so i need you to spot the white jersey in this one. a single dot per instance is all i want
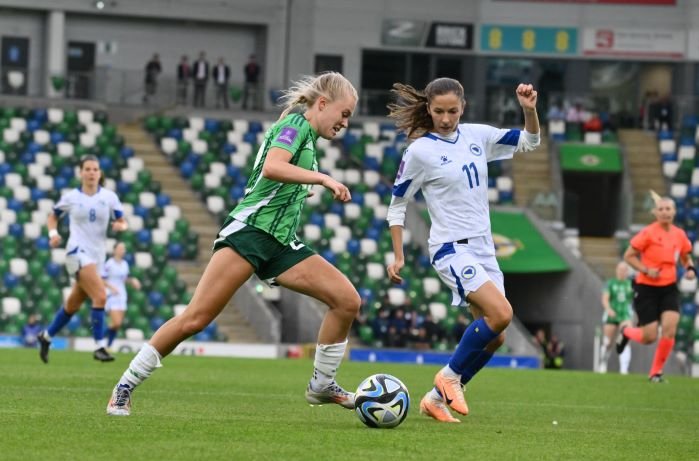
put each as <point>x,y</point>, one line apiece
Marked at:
<point>89,217</point>
<point>115,273</point>
<point>453,176</point>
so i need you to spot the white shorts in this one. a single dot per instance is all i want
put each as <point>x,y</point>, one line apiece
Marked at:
<point>115,303</point>
<point>465,267</point>
<point>77,258</point>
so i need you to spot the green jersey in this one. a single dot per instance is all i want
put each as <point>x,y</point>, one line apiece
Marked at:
<point>272,206</point>
<point>620,296</point>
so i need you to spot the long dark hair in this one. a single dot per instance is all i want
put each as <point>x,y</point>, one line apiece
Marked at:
<point>92,158</point>
<point>410,109</point>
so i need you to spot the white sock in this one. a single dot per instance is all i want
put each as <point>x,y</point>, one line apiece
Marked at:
<point>434,395</point>
<point>101,343</point>
<point>326,363</point>
<point>447,371</point>
<point>47,336</point>
<point>141,367</point>
<point>625,361</point>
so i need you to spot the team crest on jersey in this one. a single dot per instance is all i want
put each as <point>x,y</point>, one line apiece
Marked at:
<point>468,272</point>
<point>445,160</point>
<point>287,135</point>
<point>475,149</point>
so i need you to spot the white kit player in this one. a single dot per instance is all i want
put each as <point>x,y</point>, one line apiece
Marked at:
<point>448,162</point>
<point>116,276</point>
<point>89,208</point>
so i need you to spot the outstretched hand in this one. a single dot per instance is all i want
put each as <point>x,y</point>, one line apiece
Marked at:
<point>526,95</point>
<point>339,191</point>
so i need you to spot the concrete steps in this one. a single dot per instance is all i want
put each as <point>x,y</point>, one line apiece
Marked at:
<point>531,173</point>
<point>230,321</point>
<point>601,254</point>
<point>645,170</point>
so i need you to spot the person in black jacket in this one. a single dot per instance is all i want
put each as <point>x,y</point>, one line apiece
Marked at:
<point>151,78</point>
<point>184,73</point>
<point>221,74</point>
<point>200,74</point>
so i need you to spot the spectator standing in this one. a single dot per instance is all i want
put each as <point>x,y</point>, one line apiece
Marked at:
<point>221,74</point>
<point>153,69</point>
<point>252,75</point>
<point>184,73</point>
<point>200,74</point>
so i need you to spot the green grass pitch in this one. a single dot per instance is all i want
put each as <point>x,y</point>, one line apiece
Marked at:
<point>198,408</point>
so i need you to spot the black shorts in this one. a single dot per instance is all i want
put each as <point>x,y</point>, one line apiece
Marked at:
<point>267,255</point>
<point>650,302</point>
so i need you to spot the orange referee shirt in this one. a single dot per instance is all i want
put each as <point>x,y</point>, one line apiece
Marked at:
<point>660,249</point>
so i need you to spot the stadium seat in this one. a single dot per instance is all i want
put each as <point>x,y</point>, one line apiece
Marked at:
<point>431,286</point>
<point>396,296</point>
<point>438,311</point>
<point>11,306</point>
<point>134,334</point>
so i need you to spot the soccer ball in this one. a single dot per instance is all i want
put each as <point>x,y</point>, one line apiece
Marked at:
<point>382,401</point>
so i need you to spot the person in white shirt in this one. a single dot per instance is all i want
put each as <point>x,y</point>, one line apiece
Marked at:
<point>116,276</point>
<point>90,208</point>
<point>448,161</point>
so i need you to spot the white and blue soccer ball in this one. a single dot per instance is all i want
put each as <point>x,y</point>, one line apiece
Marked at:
<point>382,401</point>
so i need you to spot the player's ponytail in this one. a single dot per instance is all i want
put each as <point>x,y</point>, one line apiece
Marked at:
<point>410,109</point>
<point>305,91</point>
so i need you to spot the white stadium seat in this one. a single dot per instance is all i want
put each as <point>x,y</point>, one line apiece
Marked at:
<point>65,149</point>
<point>431,286</point>
<point>311,232</point>
<point>503,183</point>
<point>87,139</point>
<point>375,271</point>
<point>10,136</point>
<point>39,217</point>
<point>143,259</point>
<point>134,334</point>
<point>695,177</point>
<point>327,164</point>
<point>352,177</point>
<point>438,311</point>
<point>557,127</point>
<point>85,116</point>
<point>381,211</point>
<point>371,129</point>
<point>396,296</point>
<point>93,128</point>
<point>8,217</point>
<point>667,146</point>
<point>238,160</point>
<point>4,229</point>
<point>218,168</point>
<point>11,306</point>
<point>407,236</point>
<point>686,153</point>
<point>670,169</point>
<point>35,170</point>
<point>374,150</point>
<point>372,199</point>
<point>244,149</point>
<point>371,178</point>
<point>135,222</point>
<point>43,159</point>
<point>389,258</point>
<point>215,204</point>
<point>241,126</point>
<point>368,247</point>
<point>493,195</point>
<point>179,308</point>
<point>316,198</point>
<point>234,137</point>
<point>32,230</point>
<point>211,180</point>
<point>688,286</point>
<point>18,124</point>
<point>332,220</point>
<point>352,211</point>
<point>343,232</point>
<point>55,115</point>
<point>190,135</point>
<point>135,163</point>
<point>147,199</point>
<point>168,145</point>
<point>129,176</point>
<point>110,184</point>
<point>45,205</point>
<point>42,137</point>
<point>333,153</point>
<point>110,244</point>
<point>199,146</point>
<point>678,190</point>
<point>19,267</point>
<point>172,211</point>
<point>166,223</point>
<point>45,183</point>
<point>160,236</point>
<point>66,292</point>
<point>58,256</point>
<point>22,193</point>
<point>338,245</point>
<point>3,203</point>
<point>196,123</point>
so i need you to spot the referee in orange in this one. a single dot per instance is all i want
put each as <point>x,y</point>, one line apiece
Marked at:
<point>654,253</point>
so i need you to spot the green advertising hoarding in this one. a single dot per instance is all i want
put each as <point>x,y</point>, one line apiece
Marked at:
<point>519,246</point>
<point>590,158</point>
<point>529,39</point>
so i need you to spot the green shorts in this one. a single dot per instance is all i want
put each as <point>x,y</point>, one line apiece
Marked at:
<point>267,255</point>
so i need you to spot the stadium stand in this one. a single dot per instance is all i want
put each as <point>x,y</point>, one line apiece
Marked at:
<point>38,154</point>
